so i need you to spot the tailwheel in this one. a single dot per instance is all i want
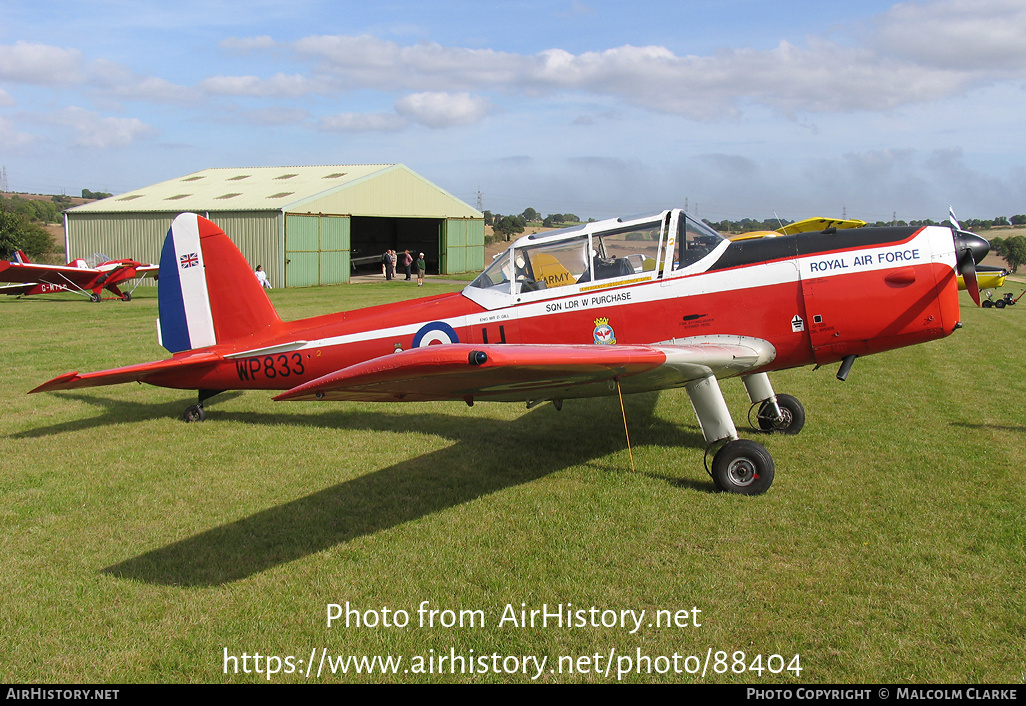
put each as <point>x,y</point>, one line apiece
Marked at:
<point>194,413</point>
<point>743,467</point>
<point>791,420</point>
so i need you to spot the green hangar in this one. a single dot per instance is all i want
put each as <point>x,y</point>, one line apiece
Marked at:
<point>306,225</point>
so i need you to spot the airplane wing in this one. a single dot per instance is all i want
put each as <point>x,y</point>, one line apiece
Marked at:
<point>147,270</point>
<point>17,289</point>
<point>131,373</point>
<point>815,225</point>
<point>34,272</point>
<point>509,373</point>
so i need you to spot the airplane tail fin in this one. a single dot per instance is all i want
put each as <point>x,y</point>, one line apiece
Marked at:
<point>206,292</point>
<point>20,257</point>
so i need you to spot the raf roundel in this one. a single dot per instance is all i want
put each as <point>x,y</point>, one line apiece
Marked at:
<point>435,333</point>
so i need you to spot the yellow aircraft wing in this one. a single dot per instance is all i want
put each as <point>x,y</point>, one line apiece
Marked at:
<point>817,225</point>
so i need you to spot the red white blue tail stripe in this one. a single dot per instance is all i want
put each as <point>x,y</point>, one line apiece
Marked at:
<point>185,319</point>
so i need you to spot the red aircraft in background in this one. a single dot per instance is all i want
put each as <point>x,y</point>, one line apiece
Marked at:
<point>78,276</point>
<point>617,306</point>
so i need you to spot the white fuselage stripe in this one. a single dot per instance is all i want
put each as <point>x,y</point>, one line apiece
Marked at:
<point>929,246</point>
<point>194,283</point>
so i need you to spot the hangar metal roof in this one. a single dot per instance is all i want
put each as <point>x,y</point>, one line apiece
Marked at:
<point>278,189</point>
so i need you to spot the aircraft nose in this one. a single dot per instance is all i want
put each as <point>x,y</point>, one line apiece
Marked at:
<point>970,249</point>
<point>972,243</point>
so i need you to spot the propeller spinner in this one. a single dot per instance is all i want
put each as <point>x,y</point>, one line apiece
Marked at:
<point>970,249</point>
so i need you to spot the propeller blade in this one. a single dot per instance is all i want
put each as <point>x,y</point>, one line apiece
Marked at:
<point>971,284</point>
<point>970,249</point>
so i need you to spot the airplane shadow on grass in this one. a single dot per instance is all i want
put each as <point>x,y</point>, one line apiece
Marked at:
<point>489,455</point>
<point>115,412</point>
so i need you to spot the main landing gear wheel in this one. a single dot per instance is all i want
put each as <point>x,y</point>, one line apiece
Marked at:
<point>126,297</point>
<point>194,413</point>
<point>792,416</point>
<point>1000,303</point>
<point>743,467</point>
<point>94,297</point>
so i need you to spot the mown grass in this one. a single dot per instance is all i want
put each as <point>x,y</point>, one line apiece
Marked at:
<point>137,548</point>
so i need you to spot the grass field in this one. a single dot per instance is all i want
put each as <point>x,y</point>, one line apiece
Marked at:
<point>137,548</point>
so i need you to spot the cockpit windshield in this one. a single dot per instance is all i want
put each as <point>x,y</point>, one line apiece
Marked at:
<point>695,240</point>
<point>496,275</point>
<point>96,259</point>
<point>620,251</point>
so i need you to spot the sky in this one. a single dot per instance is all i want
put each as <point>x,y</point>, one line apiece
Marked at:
<point>734,109</point>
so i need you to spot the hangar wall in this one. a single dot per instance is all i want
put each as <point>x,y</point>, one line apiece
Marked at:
<point>141,236</point>
<point>317,250</point>
<point>462,246</point>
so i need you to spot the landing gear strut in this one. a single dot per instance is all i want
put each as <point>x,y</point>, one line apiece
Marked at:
<point>790,420</point>
<point>781,414</point>
<point>739,466</point>
<point>195,413</point>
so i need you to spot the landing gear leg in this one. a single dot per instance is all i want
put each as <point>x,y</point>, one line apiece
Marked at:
<point>782,414</point>
<point>740,466</point>
<point>195,413</point>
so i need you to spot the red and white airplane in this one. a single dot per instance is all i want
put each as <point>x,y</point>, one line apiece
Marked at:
<point>78,276</point>
<point>617,306</point>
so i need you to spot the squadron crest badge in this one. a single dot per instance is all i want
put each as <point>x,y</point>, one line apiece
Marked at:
<point>604,334</point>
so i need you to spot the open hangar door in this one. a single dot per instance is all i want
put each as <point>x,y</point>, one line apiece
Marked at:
<point>372,236</point>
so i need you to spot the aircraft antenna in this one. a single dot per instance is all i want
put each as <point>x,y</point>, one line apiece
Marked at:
<point>624,413</point>
<point>779,222</point>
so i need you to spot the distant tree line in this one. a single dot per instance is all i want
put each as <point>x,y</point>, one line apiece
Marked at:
<point>746,225</point>
<point>22,221</point>
<point>19,232</point>
<point>505,227</point>
<point>34,210</point>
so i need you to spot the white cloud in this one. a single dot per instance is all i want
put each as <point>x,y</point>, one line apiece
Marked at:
<point>24,62</point>
<point>441,110</point>
<point>118,81</point>
<point>92,130</point>
<point>363,122</point>
<point>913,53</point>
<point>279,85</point>
<point>367,61</point>
<point>273,115</point>
<point>956,34</point>
<point>5,99</point>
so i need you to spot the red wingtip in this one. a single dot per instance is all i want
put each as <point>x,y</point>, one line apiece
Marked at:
<point>56,383</point>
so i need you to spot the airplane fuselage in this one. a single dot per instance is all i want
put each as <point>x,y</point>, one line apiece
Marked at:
<point>816,298</point>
